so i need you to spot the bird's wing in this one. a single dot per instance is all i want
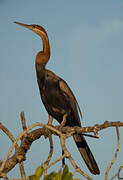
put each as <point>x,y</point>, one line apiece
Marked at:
<point>65,88</point>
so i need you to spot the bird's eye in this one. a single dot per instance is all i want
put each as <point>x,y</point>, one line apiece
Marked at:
<point>33,26</point>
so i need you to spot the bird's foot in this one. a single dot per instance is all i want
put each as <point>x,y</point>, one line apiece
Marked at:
<point>47,132</point>
<point>64,120</point>
<point>50,120</point>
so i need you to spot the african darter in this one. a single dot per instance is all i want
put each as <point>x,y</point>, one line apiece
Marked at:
<point>58,98</point>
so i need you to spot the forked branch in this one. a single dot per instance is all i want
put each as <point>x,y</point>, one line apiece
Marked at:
<point>28,136</point>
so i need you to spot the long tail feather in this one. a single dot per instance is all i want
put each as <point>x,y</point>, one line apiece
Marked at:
<point>86,154</point>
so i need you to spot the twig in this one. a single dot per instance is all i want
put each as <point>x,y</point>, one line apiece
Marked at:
<point>50,120</point>
<point>118,173</point>
<point>74,172</point>
<point>49,157</point>
<point>9,134</point>
<point>22,134</point>
<point>54,162</point>
<point>89,135</point>
<point>68,155</point>
<point>64,120</point>
<point>63,160</point>
<point>95,129</point>
<point>23,120</point>
<point>116,154</point>
<point>3,175</point>
<point>63,124</point>
<point>62,132</point>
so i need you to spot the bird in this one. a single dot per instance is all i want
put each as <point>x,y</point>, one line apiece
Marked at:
<point>58,98</point>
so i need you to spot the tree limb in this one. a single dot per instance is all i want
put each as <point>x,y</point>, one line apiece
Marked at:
<point>116,154</point>
<point>27,138</point>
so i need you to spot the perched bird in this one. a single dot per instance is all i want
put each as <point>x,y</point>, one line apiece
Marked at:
<point>58,98</point>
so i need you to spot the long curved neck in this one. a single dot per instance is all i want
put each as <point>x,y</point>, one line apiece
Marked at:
<point>43,56</point>
<point>46,45</point>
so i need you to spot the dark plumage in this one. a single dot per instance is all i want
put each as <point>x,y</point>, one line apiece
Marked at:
<point>58,98</point>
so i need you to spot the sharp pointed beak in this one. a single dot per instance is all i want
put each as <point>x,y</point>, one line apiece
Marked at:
<point>24,25</point>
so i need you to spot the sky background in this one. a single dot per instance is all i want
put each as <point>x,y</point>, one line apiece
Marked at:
<point>86,39</point>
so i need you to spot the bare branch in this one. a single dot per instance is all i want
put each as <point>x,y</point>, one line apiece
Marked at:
<point>9,134</point>
<point>49,157</point>
<point>27,138</point>
<point>116,154</point>
<point>57,160</point>
<point>68,155</point>
<point>19,156</point>
<point>118,173</point>
<point>64,120</point>
<point>23,120</point>
<point>90,129</point>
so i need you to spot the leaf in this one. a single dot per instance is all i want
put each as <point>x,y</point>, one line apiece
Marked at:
<point>50,176</point>
<point>68,176</point>
<point>39,171</point>
<point>65,172</point>
<point>33,177</point>
<point>58,176</point>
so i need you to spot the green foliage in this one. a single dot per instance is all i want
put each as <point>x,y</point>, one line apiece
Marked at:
<point>50,176</point>
<point>38,173</point>
<point>65,175</point>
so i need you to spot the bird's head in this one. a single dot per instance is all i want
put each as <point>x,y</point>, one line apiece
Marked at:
<point>43,56</point>
<point>34,27</point>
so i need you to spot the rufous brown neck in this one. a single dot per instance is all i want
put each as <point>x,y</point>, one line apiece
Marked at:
<point>43,56</point>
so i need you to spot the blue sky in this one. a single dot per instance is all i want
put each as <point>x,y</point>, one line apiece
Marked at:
<point>86,50</point>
